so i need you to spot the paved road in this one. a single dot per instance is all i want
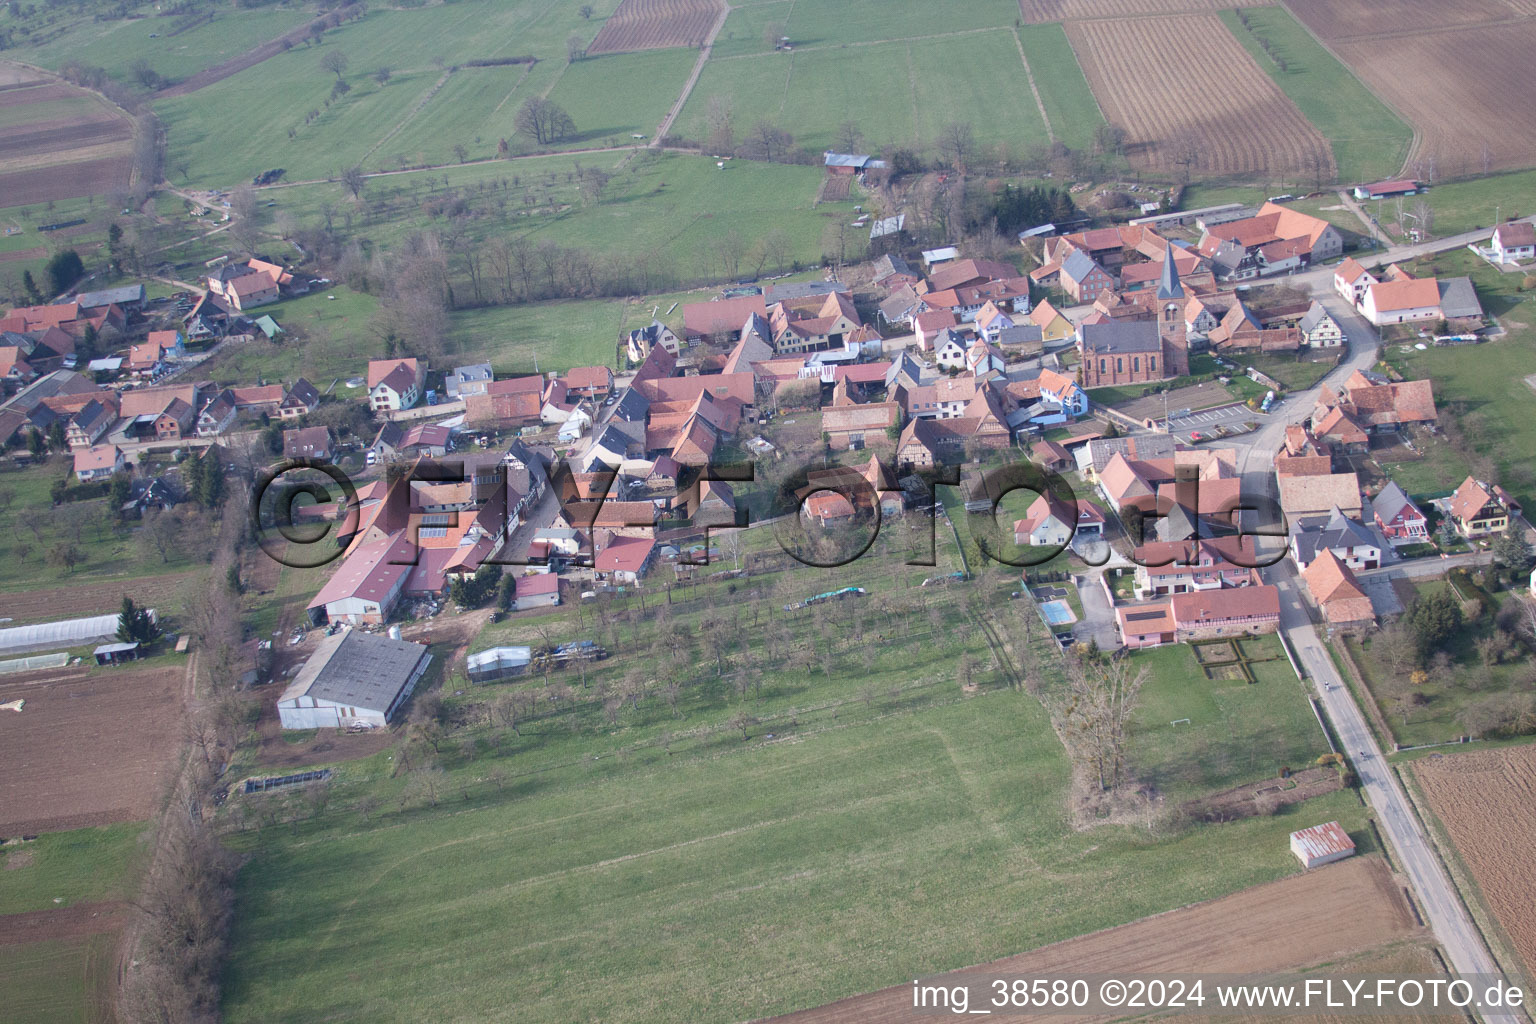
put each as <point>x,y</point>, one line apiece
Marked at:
<point>1415,855</point>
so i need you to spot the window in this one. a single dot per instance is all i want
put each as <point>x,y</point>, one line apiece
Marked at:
<point>1136,364</point>
<point>1101,366</point>
<point>1152,364</point>
<point>1119,364</point>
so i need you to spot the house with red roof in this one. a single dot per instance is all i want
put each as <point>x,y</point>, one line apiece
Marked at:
<point>508,404</point>
<point>537,590</point>
<point>395,384</point>
<point>98,462</point>
<point>624,560</point>
<point>720,318</point>
<point>1479,508</point>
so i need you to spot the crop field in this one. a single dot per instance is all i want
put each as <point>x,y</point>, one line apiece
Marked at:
<point>1424,75</point>
<point>1281,926</point>
<point>1369,141</point>
<point>897,92</point>
<point>69,978</point>
<point>59,142</point>
<point>655,24</point>
<point>613,97</point>
<point>1484,800</point>
<point>1248,125</point>
<point>1037,11</point>
<point>89,747</point>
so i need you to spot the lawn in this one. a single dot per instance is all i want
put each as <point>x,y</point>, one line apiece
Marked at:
<point>327,339</point>
<point>1069,103</point>
<point>1464,205</point>
<point>1237,731</point>
<point>1369,142</point>
<point>616,95</point>
<point>1432,712</point>
<point>553,335</point>
<point>82,866</point>
<point>1294,374</point>
<point>895,93</point>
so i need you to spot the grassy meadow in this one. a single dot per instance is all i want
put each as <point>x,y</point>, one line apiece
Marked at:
<point>1069,104</point>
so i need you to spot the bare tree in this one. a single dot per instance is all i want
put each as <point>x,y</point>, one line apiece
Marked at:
<point>382,75</point>
<point>767,141</point>
<point>773,34</point>
<point>957,142</point>
<point>575,48</point>
<point>719,124</point>
<point>1104,696</point>
<point>545,121</point>
<point>335,62</point>
<point>849,138</point>
<point>355,180</point>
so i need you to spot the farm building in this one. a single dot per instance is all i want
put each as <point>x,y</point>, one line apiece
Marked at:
<point>540,590</point>
<point>1321,844</point>
<point>353,678</point>
<point>1387,189</point>
<point>498,663</point>
<point>116,654</point>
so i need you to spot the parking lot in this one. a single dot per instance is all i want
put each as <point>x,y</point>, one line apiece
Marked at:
<point>1205,421</point>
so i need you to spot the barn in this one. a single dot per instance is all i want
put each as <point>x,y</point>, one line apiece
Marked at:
<point>353,678</point>
<point>1321,844</point>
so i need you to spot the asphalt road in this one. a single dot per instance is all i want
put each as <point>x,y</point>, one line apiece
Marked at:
<point>1415,855</point>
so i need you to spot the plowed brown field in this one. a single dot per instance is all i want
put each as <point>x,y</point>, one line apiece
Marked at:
<point>89,747</point>
<point>1437,64</point>
<point>1038,11</point>
<point>656,24</point>
<point>1287,924</point>
<point>86,152</point>
<point>1484,800</point>
<point>1154,78</point>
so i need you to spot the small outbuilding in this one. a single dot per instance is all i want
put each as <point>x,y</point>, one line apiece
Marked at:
<point>1322,844</point>
<point>498,663</point>
<point>539,590</point>
<point>353,679</point>
<point>116,654</point>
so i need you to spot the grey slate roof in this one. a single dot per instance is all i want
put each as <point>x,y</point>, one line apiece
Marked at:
<point>632,407</point>
<point>358,669</point>
<point>1337,533</point>
<point>1390,502</point>
<point>1315,314</point>
<point>1458,298</point>
<point>1168,286</point>
<point>1115,337</point>
<point>1021,334</point>
<point>1078,265</point>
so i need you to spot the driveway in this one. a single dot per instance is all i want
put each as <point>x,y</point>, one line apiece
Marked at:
<point>1098,619</point>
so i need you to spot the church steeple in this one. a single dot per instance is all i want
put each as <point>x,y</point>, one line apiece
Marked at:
<point>1169,287</point>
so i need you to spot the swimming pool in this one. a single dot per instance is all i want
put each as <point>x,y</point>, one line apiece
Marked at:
<point>1058,613</point>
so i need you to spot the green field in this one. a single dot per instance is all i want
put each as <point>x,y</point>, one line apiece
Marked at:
<point>673,889</point>
<point>1369,141</point>
<point>83,866</point>
<point>428,107</point>
<point>116,44</point>
<point>826,24</point>
<point>1237,732</point>
<point>1464,205</point>
<point>57,980</point>
<point>896,93</point>
<point>650,851</point>
<point>1069,103</point>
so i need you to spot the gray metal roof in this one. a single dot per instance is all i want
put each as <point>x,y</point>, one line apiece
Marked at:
<point>1337,533</point>
<point>1390,501</point>
<point>1458,298</point>
<point>123,295</point>
<point>1078,265</point>
<point>359,670</point>
<point>1113,337</point>
<point>887,226</point>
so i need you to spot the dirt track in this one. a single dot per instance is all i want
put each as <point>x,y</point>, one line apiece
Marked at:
<point>1292,923</point>
<point>88,748</point>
